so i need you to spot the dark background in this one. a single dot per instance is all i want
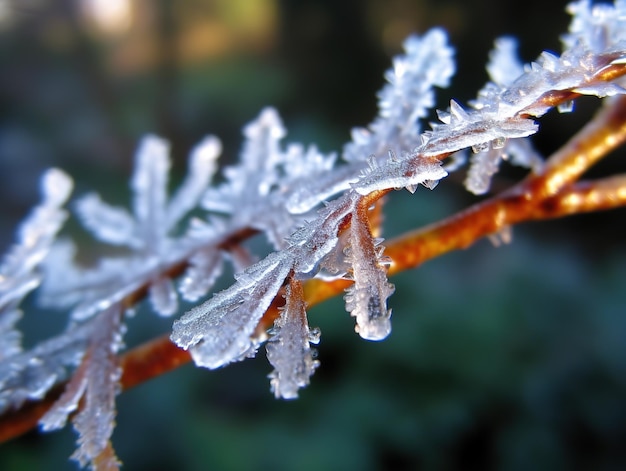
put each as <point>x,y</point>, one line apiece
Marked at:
<point>500,358</point>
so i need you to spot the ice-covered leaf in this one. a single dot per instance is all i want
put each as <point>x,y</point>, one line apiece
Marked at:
<point>289,347</point>
<point>366,300</point>
<point>29,375</point>
<point>407,97</point>
<point>504,66</point>
<point>149,186</point>
<point>406,172</point>
<point>109,224</point>
<point>19,268</point>
<point>151,233</point>
<point>96,383</point>
<point>483,166</point>
<point>204,268</point>
<point>220,330</point>
<point>163,296</point>
<point>202,167</point>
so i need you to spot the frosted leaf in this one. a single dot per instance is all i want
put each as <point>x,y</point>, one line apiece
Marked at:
<point>96,382</point>
<point>220,330</point>
<point>598,26</point>
<point>149,186</point>
<point>482,167</point>
<point>202,167</point>
<point>18,270</point>
<point>107,223</point>
<point>310,244</point>
<point>204,269</point>
<point>288,349</point>
<point>91,290</point>
<point>407,172</point>
<point>504,66</point>
<point>366,300</point>
<point>30,375</point>
<point>154,218</point>
<point>163,296</point>
<point>406,98</point>
<point>150,233</point>
<point>303,198</point>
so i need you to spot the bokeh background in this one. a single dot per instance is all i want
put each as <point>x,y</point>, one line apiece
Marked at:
<point>508,358</point>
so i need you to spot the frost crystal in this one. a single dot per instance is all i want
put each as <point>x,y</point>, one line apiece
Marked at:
<point>149,233</point>
<point>18,271</point>
<point>504,65</point>
<point>366,300</point>
<point>288,349</point>
<point>407,98</point>
<point>484,165</point>
<point>266,177</point>
<point>30,375</point>
<point>97,383</point>
<point>220,330</point>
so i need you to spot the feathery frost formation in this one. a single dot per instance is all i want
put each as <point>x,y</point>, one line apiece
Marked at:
<point>312,210</point>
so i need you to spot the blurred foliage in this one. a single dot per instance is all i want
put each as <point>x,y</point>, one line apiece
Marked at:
<point>511,358</point>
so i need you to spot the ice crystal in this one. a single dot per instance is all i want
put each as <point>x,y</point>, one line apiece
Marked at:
<point>288,349</point>
<point>406,172</point>
<point>504,66</point>
<point>29,375</point>
<point>407,98</point>
<point>150,234</point>
<point>19,269</point>
<point>220,330</point>
<point>366,300</point>
<point>265,177</point>
<point>96,382</point>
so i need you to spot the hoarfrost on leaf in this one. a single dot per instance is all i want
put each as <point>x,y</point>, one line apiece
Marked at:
<point>29,375</point>
<point>407,97</point>
<point>97,383</point>
<point>205,266</point>
<point>504,66</point>
<point>288,349</point>
<point>366,300</point>
<point>220,330</point>
<point>406,172</point>
<point>19,268</point>
<point>484,165</point>
<point>150,233</point>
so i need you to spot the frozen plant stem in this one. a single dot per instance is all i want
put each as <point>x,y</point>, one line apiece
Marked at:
<point>322,221</point>
<point>553,193</point>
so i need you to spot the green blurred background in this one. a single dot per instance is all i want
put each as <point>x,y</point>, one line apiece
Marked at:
<point>508,358</point>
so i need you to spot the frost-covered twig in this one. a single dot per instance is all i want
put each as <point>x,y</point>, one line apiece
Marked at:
<point>320,231</point>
